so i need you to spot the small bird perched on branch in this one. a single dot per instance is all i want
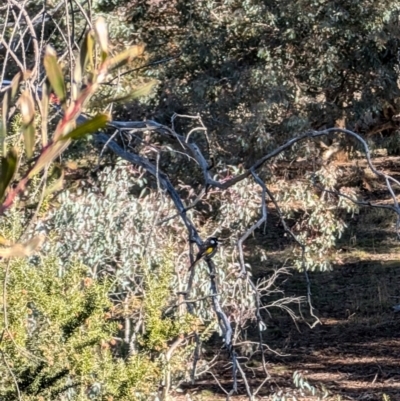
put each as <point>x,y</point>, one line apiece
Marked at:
<point>207,250</point>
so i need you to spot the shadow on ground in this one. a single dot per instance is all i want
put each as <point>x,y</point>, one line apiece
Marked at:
<point>354,353</point>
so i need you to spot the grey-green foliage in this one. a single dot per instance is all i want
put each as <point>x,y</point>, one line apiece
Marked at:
<point>112,227</point>
<point>303,389</point>
<point>105,225</point>
<point>261,71</point>
<point>318,215</point>
<point>57,331</point>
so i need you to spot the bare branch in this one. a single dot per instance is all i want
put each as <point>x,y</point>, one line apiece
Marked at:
<point>254,227</point>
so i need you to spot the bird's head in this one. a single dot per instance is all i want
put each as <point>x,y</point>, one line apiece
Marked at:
<point>213,241</point>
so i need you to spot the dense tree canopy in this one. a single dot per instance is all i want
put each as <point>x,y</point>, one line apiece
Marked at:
<point>254,121</point>
<point>260,71</point>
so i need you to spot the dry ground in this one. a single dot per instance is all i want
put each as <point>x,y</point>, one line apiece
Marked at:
<point>355,352</point>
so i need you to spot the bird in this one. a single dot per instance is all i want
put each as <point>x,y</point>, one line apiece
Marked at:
<point>207,250</point>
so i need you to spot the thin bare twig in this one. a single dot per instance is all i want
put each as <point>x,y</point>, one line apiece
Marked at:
<point>303,250</point>
<point>33,36</point>
<point>12,375</point>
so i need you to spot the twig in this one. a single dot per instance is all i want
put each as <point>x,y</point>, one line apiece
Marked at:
<point>246,383</point>
<point>218,382</point>
<point>8,48</point>
<point>12,375</point>
<point>165,60</point>
<point>5,318</point>
<point>263,220</point>
<point>303,250</point>
<point>187,208</point>
<point>168,356</point>
<point>164,180</point>
<point>254,227</point>
<point>33,34</point>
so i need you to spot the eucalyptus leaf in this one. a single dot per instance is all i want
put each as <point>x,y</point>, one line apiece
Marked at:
<point>54,74</point>
<point>89,126</point>
<point>86,53</point>
<point>125,57</point>
<point>8,169</point>
<point>101,30</point>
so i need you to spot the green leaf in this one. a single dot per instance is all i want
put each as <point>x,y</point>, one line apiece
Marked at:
<point>142,91</point>
<point>3,131</point>
<point>28,114</point>
<point>100,28</point>
<point>76,84</point>
<point>56,186</point>
<point>47,156</point>
<point>45,112</point>
<point>86,54</point>
<point>87,127</point>
<point>54,74</point>
<point>125,57</point>
<point>23,250</point>
<point>3,134</point>
<point>15,85</point>
<point>29,138</point>
<point>7,170</point>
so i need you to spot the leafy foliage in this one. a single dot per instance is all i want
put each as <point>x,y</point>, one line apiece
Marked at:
<point>58,337</point>
<point>103,312</point>
<point>60,327</point>
<point>260,71</point>
<point>57,326</point>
